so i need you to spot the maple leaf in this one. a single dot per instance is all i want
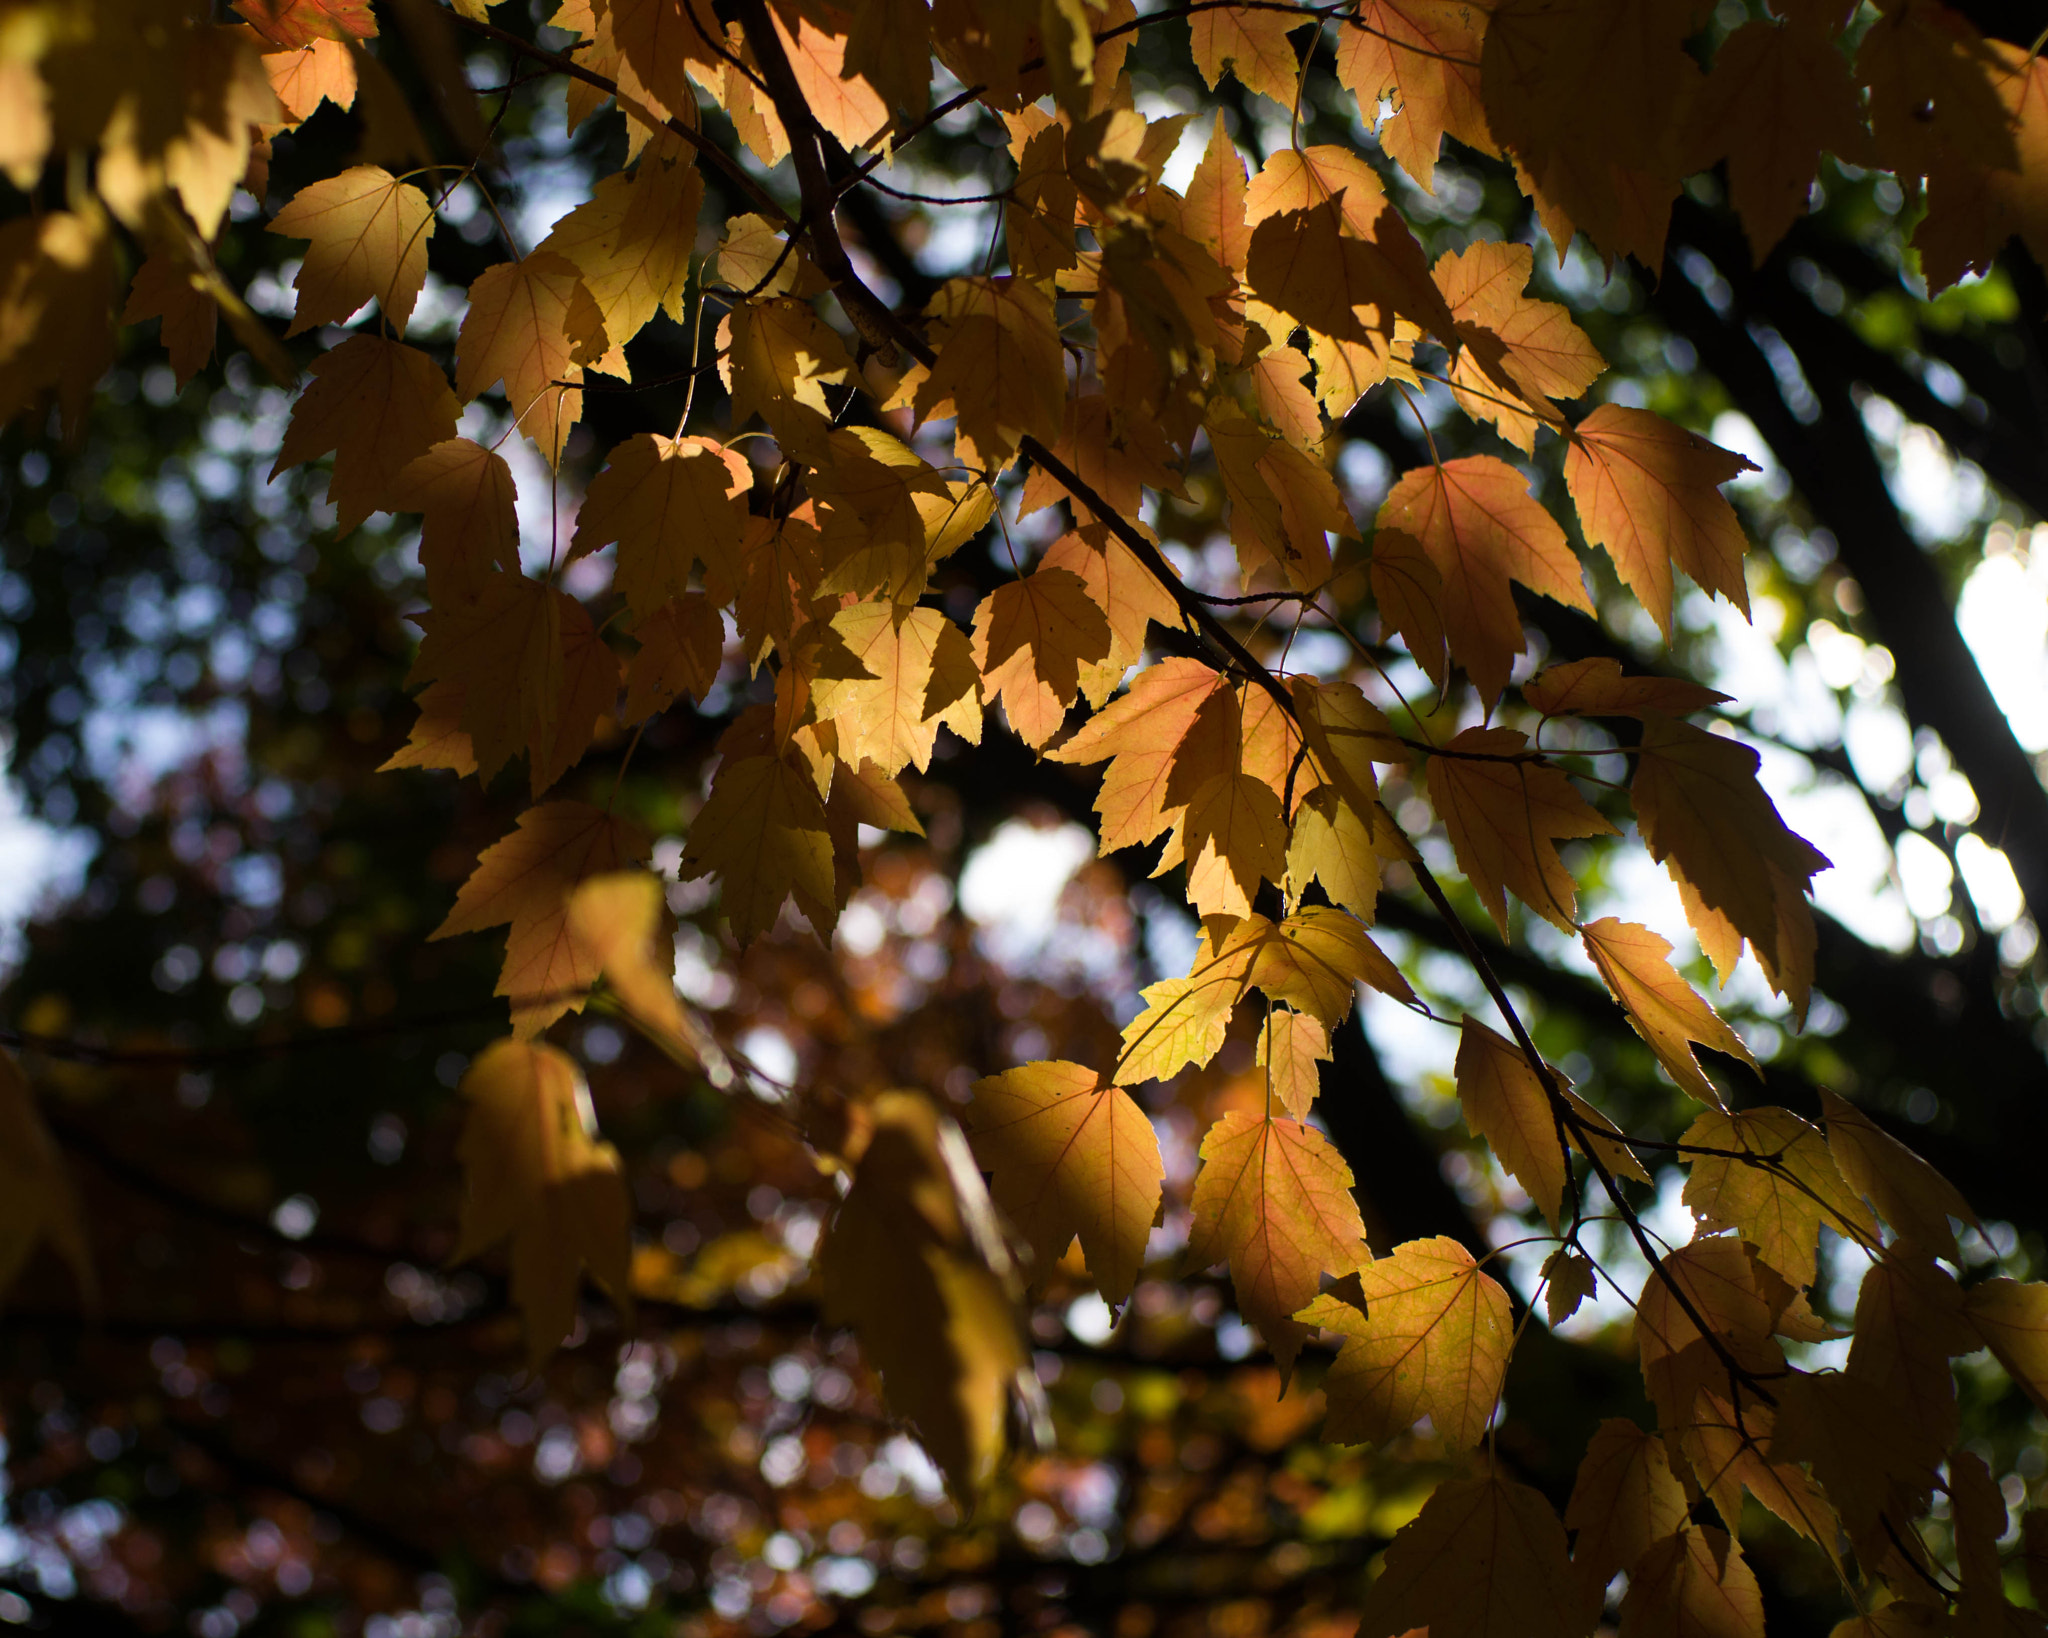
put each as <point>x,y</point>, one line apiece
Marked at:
<point>1833,1421</point>
<point>999,363</point>
<point>1253,45</point>
<point>1273,1199</point>
<point>1664,1010</point>
<point>622,922</point>
<point>1128,594</point>
<point>1485,1558</point>
<point>525,879</point>
<point>892,713</point>
<point>900,1264</point>
<point>669,503</point>
<point>1505,810</point>
<point>1910,1318</point>
<point>1291,1046</point>
<point>303,77</point>
<point>1305,264</point>
<point>293,23</point>
<point>1409,590</point>
<point>589,693</point>
<point>888,43</point>
<point>668,42</point>
<point>763,829</point>
<point>367,234</point>
<point>1213,213</point>
<point>1282,504</point>
<point>1066,1156</point>
<point>1779,1206</point>
<point>776,359</point>
<point>1423,57</point>
<point>470,529</point>
<point>377,405</point>
<point>1623,1501</point>
<point>842,103</point>
<point>1719,1281</point>
<point>1302,179</point>
<point>1727,1452</point>
<point>1032,635</point>
<point>1568,1280</point>
<point>37,1202</point>
<point>1694,1580</point>
<point>438,739</point>
<point>1648,493</point>
<point>631,242</point>
<point>1934,102</point>
<point>535,1171</point>
<point>1909,1194</point>
<point>1483,529</point>
<point>2013,1321</point>
<point>682,646</point>
<point>1507,1105</point>
<point>1038,215</point>
<point>1973,209</point>
<point>1511,342</point>
<point>533,325</point>
<point>1596,688</point>
<point>172,290</point>
<point>1236,837</point>
<point>1433,1341</point>
<point>1706,818</point>
<point>504,648</point>
<point>1779,96</point>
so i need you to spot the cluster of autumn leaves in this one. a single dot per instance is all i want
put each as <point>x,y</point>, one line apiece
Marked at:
<point>1218,329</point>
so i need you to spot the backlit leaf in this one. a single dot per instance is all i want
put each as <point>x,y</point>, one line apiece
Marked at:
<point>533,325</point>
<point>535,1170</point>
<point>1909,1194</point>
<point>377,405</point>
<point>763,830</point>
<point>1624,1500</point>
<point>1663,1008</point>
<point>368,236</point>
<point>1066,1156</point>
<point>1433,1341</point>
<point>1273,1199</point>
<point>1485,1558</point>
<point>1694,1581</point>
<point>1779,1206</point>
<point>1506,810</point>
<point>1506,1104</point>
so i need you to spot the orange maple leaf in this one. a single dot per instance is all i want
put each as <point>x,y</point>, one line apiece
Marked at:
<point>293,23</point>
<point>377,405</point>
<point>1273,1199</point>
<point>1664,1009</point>
<point>368,233</point>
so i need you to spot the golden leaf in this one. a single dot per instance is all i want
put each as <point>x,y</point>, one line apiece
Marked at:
<point>377,405</point>
<point>535,1171</point>
<point>1066,1156</point>
<point>669,503</point>
<point>1505,811</point>
<point>1485,1558</point>
<point>1506,1104</point>
<point>533,325</point>
<point>470,528</point>
<point>367,236</point>
<point>1781,1206</point>
<point>763,829</point>
<point>1273,1199</point>
<point>1665,1011</point>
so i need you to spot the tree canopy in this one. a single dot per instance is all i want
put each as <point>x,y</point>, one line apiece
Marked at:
<point>1025,817</point>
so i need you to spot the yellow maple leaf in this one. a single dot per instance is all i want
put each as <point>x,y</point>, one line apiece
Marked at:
<point>525,880</point>
<point>1433,1341</point>
<point>1409,590</point>
<point>535,1170</point>
<point>1331,844</point>
<point>1213,213</point>
<point>621,920</point>
<point>670,503</point>
<point>888,716</point>
<point>776,358</point>
<point>533,325</point>
<point>1779,1207</point>
<point>1130,596</point>
<point>903,1264</point>
<point>1066,1156</point>
<point>1663,1008</point>
<point>1483,529</point>
<point>1305,264</point>
<point>36,1202</point>
<point>469,529</point>
<point>763,829</point>
<point>378,405</point>
<point>367,235</point>
<point>1505,811</point>
<point>1648,493</point>
<point>1507,1105</point>
<point>1235,837</point>
<point>1291,1046</point>
<point>842,103</point>
<point>1253,45</point>
<point>1624,1499</point>
<point>668,43</point>
<point>1283,505</point>
<point>1273,1199</point>
<point>631,241</point>
<point>1719,1283</point>
<point>1485,1558</point>
<point>1032,636</point>
<point>999,362</point>
<point>1301,179</point>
